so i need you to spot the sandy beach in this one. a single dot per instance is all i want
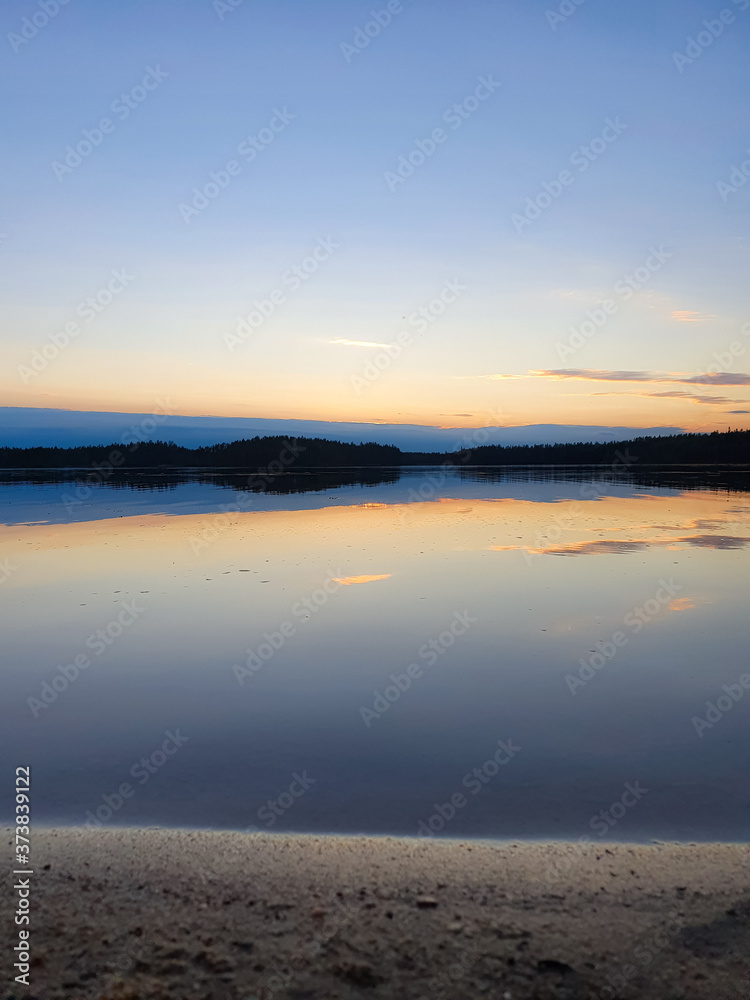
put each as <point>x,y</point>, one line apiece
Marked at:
<point>154,914</point>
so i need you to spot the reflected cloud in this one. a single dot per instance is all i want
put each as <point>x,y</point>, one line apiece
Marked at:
<point>693,524</point>
<point>604,546</point>
<point>681,604</point>
<point>348,581</point>
<point>717,541</point>
<point>617,547</point>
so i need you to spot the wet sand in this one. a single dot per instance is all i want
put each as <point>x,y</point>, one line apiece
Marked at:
<point>152,914</point>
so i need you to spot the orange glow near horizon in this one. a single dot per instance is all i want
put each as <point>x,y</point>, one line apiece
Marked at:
<point>464,403</point>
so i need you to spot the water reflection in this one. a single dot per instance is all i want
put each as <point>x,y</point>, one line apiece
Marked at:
<point>150,480</point>
<point>63,495</point>
<point>615,546</point>
<point>688,477</point>
<point>384,648</point>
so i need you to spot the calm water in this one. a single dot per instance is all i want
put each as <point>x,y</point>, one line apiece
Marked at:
<point>339,654</point>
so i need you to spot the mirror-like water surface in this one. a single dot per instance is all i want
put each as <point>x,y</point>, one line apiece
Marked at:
<point>473,653</point>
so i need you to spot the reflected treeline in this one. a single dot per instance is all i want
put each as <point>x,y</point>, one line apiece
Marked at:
<point>309,481</point>
<point>299,481</point>
<point>716,478</point>
<point>688,477</point>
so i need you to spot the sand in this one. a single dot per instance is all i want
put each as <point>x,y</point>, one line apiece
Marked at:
<point>136,914</point>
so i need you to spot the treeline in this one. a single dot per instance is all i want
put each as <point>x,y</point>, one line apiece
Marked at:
<point>676,449</point>
<point>262,454</point>
<point>277,454</point>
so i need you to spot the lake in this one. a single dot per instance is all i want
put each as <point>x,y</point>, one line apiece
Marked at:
<point>511,653</point>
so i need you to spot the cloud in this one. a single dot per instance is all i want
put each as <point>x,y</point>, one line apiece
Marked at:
<point>739,411</point>
<point>688,316</point>
<point>602,375</point>
<point>597,375</point>
<point>356,343</point>
<point>716,400</point>
<point>678,394</point>
<point>718,378</point>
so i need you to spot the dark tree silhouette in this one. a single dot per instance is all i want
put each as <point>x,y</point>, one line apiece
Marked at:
<point>274,456</point>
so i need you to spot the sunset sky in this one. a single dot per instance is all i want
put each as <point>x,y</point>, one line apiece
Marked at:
<point>614,300</point>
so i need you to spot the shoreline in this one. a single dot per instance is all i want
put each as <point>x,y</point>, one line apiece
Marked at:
<point>126,913</point>
<point>440,837</point>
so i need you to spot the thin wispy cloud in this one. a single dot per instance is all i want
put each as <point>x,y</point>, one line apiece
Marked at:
<point>688,316</point>
<point>356,343</point>
<point>606,375</point>
<point>603,375</point>
<point>678,394</point>
<point>703,400</point>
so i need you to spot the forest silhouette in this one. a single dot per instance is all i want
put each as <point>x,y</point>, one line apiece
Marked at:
<point>275,455</point>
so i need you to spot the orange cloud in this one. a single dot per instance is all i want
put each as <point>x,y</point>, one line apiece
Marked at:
<point>688,316</point>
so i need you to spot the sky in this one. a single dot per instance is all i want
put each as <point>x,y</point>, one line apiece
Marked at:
<point>424,213</point>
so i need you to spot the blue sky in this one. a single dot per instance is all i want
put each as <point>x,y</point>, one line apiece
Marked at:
<point>227,74</point>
